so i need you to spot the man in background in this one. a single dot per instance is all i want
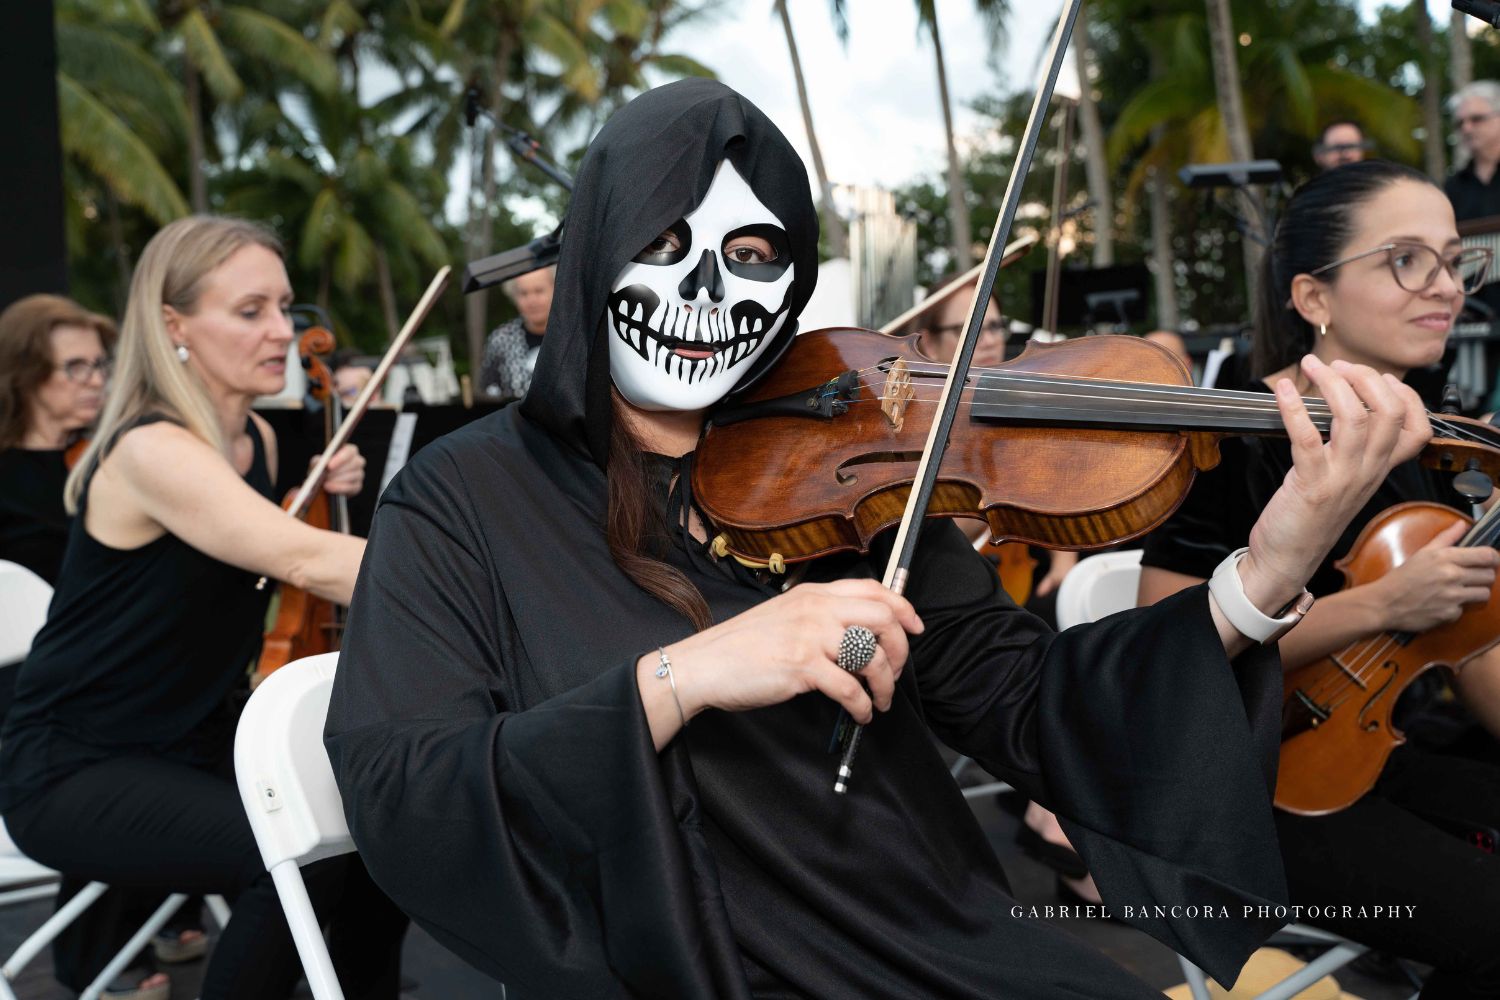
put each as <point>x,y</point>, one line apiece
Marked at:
<point>1472,188</point>
<point>511,349</point>
<point>1339,143</point>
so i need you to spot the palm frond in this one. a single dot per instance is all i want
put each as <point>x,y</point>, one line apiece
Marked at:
<point>263,37</point>
<point>94,135</point>
<point>112,65</point>
<point>207,56</point>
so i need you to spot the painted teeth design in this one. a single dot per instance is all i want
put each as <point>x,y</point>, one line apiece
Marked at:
<point>656,331</point>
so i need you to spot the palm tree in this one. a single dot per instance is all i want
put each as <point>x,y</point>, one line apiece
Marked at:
<point>994,12</point>
<point>211,37</point>
<point>1096,156</point>
<point>120,113</point>
<point>838,236</point>
<point>1226,69</point>
<point>1434,154</point>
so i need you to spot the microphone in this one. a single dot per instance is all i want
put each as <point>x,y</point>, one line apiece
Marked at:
<point>492,270</point>
<point>471,106</point>
<point>1486,10</point>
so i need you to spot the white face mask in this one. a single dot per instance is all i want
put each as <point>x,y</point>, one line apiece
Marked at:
<point>688,319</point>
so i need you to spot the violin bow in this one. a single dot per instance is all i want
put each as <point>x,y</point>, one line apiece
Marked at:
<point>1020,248</point>
<point>898,570</point>
<point>366,395</point>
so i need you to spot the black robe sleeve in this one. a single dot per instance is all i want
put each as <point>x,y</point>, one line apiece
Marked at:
<point>1156,752</point>
<point>507,835</point>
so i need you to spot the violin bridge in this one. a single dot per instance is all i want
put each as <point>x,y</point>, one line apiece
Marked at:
<point>898,392</point>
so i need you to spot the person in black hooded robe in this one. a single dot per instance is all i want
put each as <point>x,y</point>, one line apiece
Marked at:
<point>514,756</point>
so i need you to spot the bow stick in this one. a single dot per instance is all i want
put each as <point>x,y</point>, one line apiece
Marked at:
<point>899,568</point>
<point>366,395</point>
<point>1013,253</point>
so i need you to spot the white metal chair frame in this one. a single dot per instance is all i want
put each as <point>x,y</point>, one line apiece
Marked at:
<point>286,783</point>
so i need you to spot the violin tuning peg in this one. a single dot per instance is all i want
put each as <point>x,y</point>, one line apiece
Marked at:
<point>1453,402</point>
<point>1473,485</point>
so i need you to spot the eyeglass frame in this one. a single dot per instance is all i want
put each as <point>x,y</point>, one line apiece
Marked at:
<point>1489,257</point>
<point>954,329</point>
<point>103,366</point>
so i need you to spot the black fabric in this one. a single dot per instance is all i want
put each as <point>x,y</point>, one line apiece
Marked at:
<point>1471,197</point>
<point>140,654</point>
<point>156,827</point>
<point>500,780</point>
<point>33,523</point>
<point>649,166</point>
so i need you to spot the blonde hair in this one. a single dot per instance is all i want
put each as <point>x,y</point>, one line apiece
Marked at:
<point>148,376</point>
<point>26,354</point>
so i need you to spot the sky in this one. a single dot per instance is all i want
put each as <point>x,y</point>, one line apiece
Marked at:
<point>875,103</point>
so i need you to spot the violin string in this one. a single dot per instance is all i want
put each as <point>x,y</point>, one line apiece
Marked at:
<point>1238,399</point>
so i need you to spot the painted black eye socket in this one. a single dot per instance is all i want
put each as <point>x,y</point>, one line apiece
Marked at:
<point>671,247</point>
<point>748,262</point>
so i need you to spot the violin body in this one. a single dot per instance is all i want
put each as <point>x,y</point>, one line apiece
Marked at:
<point>1327,763</point>
<point>1015,567</point>
<point>305,624</point>
<point>799,487</point>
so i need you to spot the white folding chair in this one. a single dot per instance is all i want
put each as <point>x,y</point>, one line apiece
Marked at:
<point>1098,586</point>
<point>24,597</point>
<point>286,783</point>
<point>1101,585</point>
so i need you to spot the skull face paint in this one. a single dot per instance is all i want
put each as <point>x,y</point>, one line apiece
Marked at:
<point>691,313</point>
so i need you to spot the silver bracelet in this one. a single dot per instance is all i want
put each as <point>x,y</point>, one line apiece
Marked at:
<point>665,670</point>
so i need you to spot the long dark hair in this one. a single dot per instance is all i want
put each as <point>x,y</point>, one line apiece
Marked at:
<point>1315,228</point>
<point>633,521</point>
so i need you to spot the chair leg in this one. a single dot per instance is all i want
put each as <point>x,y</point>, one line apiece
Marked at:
<point>219,910</point>
<point>1334,958</point>
<point>44,934</point>
<point>1197,982</point>
<point>122,958</point>
<point>311,947</point>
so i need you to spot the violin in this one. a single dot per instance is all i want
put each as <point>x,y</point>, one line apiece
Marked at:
<point>1337,732</point>
<point>1076,445</point>
<point>307,630</point>
<point>305,624</point>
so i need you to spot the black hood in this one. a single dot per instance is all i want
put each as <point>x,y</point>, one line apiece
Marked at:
<point>649,166</point>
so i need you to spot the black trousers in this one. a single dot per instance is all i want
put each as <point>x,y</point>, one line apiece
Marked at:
<point>1393,848</point>
<point>147,823</point>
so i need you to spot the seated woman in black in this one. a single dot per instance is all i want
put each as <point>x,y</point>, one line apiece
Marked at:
<point>1367,267</point>
<point>115,760</point>
<point>54,362</point>
<point>593,759</point>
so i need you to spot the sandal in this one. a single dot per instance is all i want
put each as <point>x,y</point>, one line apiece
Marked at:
<point>172,948</point>
<point>128,985</point>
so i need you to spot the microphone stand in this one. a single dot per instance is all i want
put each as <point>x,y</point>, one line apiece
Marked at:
<point>1485,10</point>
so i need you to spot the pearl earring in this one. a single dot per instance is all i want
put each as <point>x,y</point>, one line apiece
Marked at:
<point>1322,332</point>
<point>182,353</point>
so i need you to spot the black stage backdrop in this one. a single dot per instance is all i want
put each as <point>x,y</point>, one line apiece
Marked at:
<point>33,256</point>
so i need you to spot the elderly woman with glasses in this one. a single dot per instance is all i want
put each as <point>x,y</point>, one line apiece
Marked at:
<point>1366,267</point>
<point>54,360</point>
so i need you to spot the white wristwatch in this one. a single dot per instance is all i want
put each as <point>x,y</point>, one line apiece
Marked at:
<point>1229,590</point>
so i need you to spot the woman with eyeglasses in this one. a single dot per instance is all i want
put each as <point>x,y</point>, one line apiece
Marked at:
<point>54,360</point>
<point>1367,267</point>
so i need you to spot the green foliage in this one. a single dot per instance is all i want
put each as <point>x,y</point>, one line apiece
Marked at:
<point>354,178</point>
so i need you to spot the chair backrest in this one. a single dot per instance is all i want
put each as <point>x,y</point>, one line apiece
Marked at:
<point>1098,586</point>
<point>24,597</point>
<point>282,770</point>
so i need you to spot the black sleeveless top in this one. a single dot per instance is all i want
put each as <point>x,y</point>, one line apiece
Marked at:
<point>140,655</point>
<point>33,523</point>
